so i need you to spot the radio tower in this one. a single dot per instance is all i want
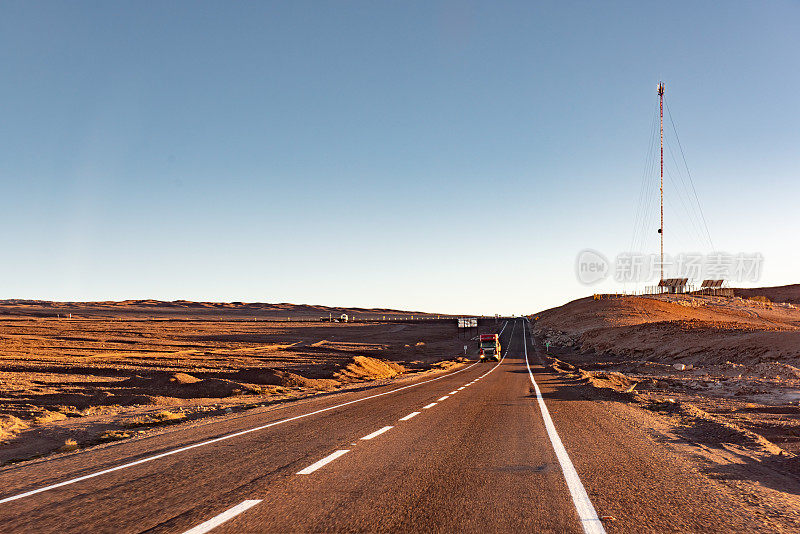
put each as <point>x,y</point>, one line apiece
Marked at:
<point>661,116</point>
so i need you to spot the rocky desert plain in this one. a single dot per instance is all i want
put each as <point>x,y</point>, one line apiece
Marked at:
<point>77,375</point>
<point>714,378</point>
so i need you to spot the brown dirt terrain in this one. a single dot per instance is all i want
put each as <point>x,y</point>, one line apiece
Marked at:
<point>790,293</point>
<point>184,309</point>
<point>724,374</point>
<point>114,370</point>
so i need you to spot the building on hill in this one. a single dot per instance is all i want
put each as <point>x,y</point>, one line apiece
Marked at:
<point>673,285</point>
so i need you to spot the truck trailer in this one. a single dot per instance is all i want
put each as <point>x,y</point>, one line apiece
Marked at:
<point>490,347</point>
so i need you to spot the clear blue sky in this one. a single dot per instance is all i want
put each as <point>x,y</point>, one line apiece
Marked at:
<point>444,156</point>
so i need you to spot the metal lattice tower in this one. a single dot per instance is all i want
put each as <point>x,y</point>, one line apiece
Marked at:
<point>661,188</point>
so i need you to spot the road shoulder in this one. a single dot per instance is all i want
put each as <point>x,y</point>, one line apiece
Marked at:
<point>644,476</point>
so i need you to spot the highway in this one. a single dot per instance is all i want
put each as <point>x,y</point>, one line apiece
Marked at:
<point>488,447</point>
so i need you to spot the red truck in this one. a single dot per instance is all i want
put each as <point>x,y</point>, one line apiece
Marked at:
<point>490,347</point>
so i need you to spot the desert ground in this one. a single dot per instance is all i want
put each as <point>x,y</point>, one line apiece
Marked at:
<point>73,375</point>
<point>709,384</point>
<point>721,375</point>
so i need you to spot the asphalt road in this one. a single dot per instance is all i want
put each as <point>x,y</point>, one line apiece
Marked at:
<point>488,448</point>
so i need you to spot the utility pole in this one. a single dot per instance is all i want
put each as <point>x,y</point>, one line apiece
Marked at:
<point>661,116</point>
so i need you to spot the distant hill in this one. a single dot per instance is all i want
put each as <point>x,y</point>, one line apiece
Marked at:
<point>691,329</point>
<point>180,309</point>
<point>790,293</point>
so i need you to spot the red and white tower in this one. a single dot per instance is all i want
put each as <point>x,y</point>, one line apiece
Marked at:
<point>661,187</point>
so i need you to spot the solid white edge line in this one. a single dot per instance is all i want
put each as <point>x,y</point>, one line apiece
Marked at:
<point>409,416</point>
<point>328,459</point>
<point>215,440</point>
<point>431,405</point>
<point>377,433</point>
<point>440,399</point>
<point>216,521</point>
<point>583,505</point>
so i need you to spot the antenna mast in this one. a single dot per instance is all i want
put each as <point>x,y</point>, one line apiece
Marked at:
<point>661,116</point>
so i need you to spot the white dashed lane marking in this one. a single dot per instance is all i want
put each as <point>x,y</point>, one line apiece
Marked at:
<point>222,438</point>
<point>238,509</point>
<point>378,432</point>
<point>216,521</point>
<point>328,459</point>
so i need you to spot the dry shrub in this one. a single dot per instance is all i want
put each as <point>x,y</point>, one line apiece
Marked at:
<point>115,435</point>
<point>69,445</point>
<point>10,425</point>
<point>160,418</point>
<point>48,417</point>
<point>165,416</point>
<point>760,298</point>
